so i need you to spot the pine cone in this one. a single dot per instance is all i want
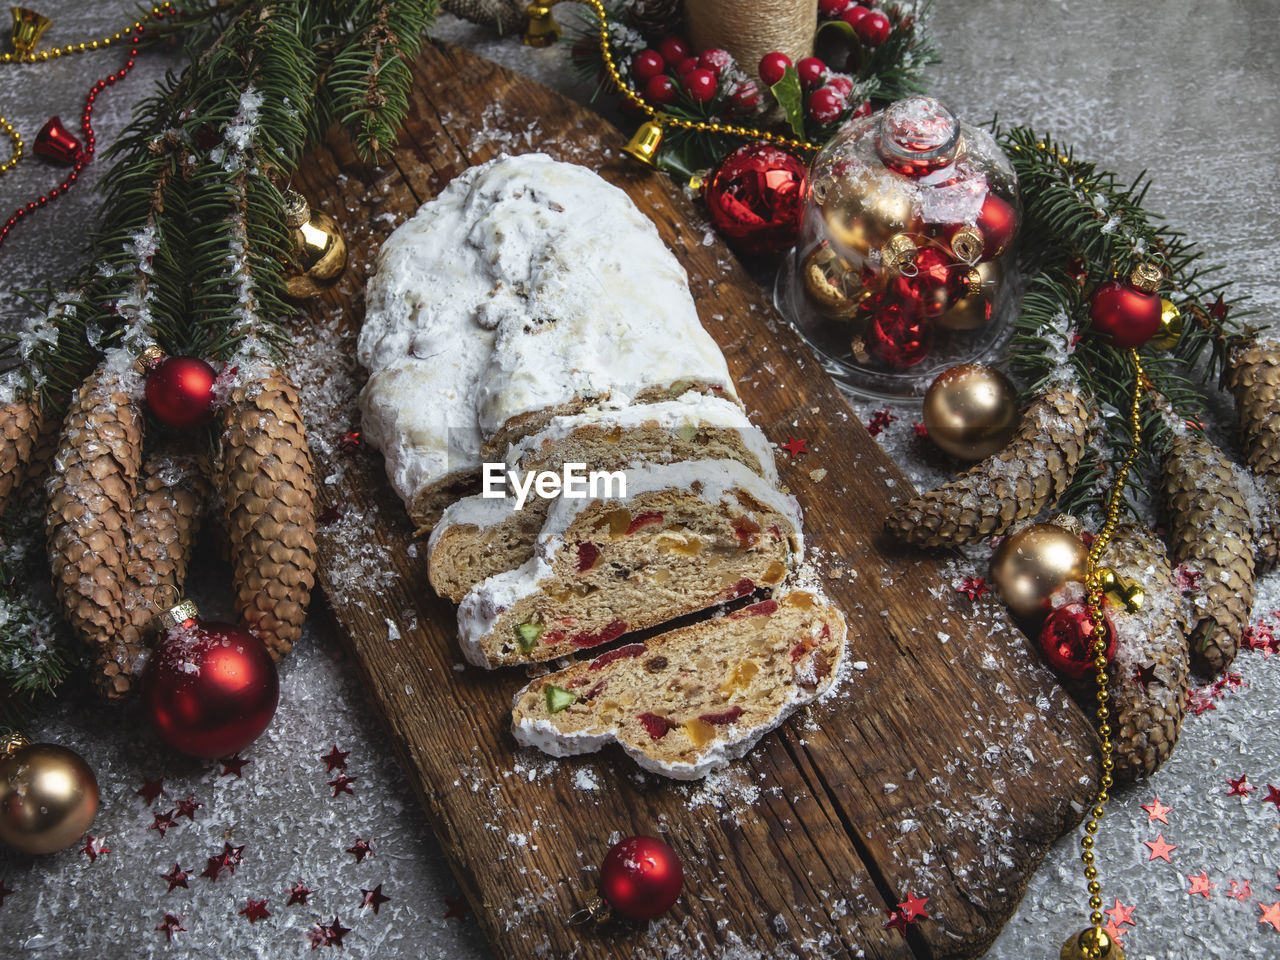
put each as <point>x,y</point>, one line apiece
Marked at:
<point>505,16</point>
<point>1020,481</point>
<point>20,425</point>
<point>656,18</point>
<point>91,495</point>
<point>1209,527</point>
<point>1253,376</point>
<point>1149,676</point>
<point>269,489</point>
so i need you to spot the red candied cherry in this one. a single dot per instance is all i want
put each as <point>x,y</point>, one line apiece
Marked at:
<point>716,60</point>
<point>826,104</point>
<point>772,67</point>
<point>811,71</point>
<point>701,84</point>
<point>660,89</point>
<point>842,83</point>
<point>647,64</point>
<point>874,28</point>
<point>854,15</point>
<point>684,66</point>
<point>830,9</point>
<point>673,50</point>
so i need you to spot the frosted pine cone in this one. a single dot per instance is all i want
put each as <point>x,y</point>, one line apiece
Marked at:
<point>1020,481</point>
<point>268,485</point>
<point>91,494</point>
<point>505,16</point>
<point>1253,376</point>
<point>1209,527</point>
<point>656,18</point>
<point>20,423</point>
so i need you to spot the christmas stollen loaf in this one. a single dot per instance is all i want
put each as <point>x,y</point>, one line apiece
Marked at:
<point>476,537</point>
<point>528,289</point>
<point>687,702</point>
<point>686,536</point>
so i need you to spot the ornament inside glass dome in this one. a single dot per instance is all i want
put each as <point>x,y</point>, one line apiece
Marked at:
<point>904,262</point>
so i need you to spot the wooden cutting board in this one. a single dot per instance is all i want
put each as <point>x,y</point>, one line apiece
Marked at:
<point>944,767</point>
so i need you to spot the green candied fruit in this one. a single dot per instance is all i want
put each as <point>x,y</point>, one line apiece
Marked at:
<point>558,698</point>
<point>527,634</point>
<point>687,431</point>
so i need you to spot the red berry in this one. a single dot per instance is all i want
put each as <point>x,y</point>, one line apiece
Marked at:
<point>854,15</point>
<point>826,104</point>
<point>861,110</point>
<point>647,64</point>
<point>660,89</point>
<point>811,71</point>
<point>772,67</point>
<point>683,68</point>
<point>842,83</point>
<point>874,28</point>
<point>701,84</point>
<point>716,60</point>
<point>745,97</point>
<point>673,50</point>
<point>830,9</point>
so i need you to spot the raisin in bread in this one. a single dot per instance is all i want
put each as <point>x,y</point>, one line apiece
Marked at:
<point>686,702</point>
<point>499,306</point>
<point>477,537</point>
<point>687,536</point>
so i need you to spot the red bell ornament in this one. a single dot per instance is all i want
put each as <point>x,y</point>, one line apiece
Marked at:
<point>1067,640</point>
<point>1128,314</point>
<point>641,877</point>
<point>210,688</point>
<point>755,198</point>
<point>179,389</point>
<point>56,143</point>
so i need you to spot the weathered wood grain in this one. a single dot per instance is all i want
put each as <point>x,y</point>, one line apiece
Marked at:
<point>944,767</point>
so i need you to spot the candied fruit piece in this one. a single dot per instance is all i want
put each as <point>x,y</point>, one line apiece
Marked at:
<point>588,554</point>
<point>699,731</point>
<point>656,665</point>
<point>801,600</point>
<point>596,690</point>
<point>622,653</point>
<point>774,573</point>
<point>741,588</point>
<point>722,718</point>
<point>614,435</point>
<point>745,529</point>
<point>618,521</point>
<point>527,635</point>
<point>686,544</point>
<point>740,678</point>
<point>687,431</point>
<point>610,631</point>
<point>765,608</point>
<point>643,520</point>
<point>558,698</point>
<point>655,725</point>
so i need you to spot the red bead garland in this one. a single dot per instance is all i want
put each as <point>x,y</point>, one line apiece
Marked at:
<point>86,124</point>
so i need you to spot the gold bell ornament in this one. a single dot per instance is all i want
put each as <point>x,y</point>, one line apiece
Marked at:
<point>542,29</point>
<point>28,27</point>
<point>644,143</point>
<point>320,251</point>
<point>1122,592</point>
<point>48,796</point>
<point>1092,943</point>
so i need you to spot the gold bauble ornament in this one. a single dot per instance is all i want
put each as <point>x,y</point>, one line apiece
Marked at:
<point>320,250</point>
<point>973,310</point>
<point>971,411</point>
<point>1031,565</point>
<point>1170,331</point>
<point>1092,943</point>
<point>861,214</point>
<point>48,796</point>
<point>834,287</point>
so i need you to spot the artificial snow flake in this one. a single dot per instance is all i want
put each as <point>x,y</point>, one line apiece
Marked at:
<point>151,789</point>
<point>254,910</point>
<point>373,898</point>
<point>1200,884</point>
<point>361,849</point>
<point>95,847</point>
<point>233,764</point>
<point>1157,811</point>
<point>794,447</point>
<point>170,925</point>
<point>342,784</point>
<point>163,821</point>
<point>1159,848</point>
<point>177,877</point>
<point>298,893</point>
<point>1239,786</point>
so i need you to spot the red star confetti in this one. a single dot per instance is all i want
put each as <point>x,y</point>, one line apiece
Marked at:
<point>795,447</point>
<point>1239,788</point>
<point>1076,338</point>
<point>233,764</point>
<point>171,925</point>
<point>361,850</point>
<point>335,759</point>
<point>188,807</point>
<point>349,441</point>
<point>4,891</point>
<point>316,936</point>
<point>459,907</point>
<point>1200,885</point>
<point>1273,796</point>
<point>1188,580</point>
<point>333,932</point>
<point>163,821</point>
<point>298,893</point>
<point>920,429</point>
<point>373,898</point>
<point>95,848</point>
<point>228,860</point>
<point>973,587</point>
<point>913,908</point>
<point>879,420</point>
<point>897,921</point>
<point>1198,701</point>
<point>1271,914</point>
<point>1241,893</point>
<point>330,514</point>
<point>1159,848</point>
<point>254,910</point>
<point>343,784</point>
<point>177,877</point>
<point>1219,309</point>
<point>150,790</point>
<point>1157,811</point>
<point>1260,636</point>
<point>1121,914</point>
<point>1145,675</point>
<point>1114,932</point>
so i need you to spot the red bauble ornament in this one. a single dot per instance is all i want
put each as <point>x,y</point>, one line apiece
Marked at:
<point>701,84</point>
<point>998,223</point>
<point>755,199</point>
<point>210,688</point>
<point>641,877</point>
<point>1123,315</point>
<point>772,67</point>
<point>1066,640</point>
<point>900,336</point>
<point>646,65</point>
<point>55,142</point>
<point>938,284</point>
<point>811,71</point>
<point>180,391</point>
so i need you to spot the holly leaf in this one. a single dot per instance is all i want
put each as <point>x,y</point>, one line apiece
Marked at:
<point>791,99</point>
<point>837,44</point>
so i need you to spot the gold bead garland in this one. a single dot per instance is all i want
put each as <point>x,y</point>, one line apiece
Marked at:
<point>54,52</point>
<point>17,146</point>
